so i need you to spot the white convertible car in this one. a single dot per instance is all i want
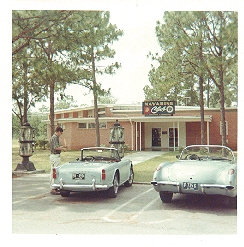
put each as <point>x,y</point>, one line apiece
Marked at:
<point>201,169</point>
<point>97,169</point>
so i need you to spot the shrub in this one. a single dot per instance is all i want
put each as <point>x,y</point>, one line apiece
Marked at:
<point>42,142</point>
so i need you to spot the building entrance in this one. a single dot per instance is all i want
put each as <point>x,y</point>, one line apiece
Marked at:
<point>173,138</point>
<point>156,138</point>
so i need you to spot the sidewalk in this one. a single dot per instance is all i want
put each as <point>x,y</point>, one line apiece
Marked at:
<point>141,156</point>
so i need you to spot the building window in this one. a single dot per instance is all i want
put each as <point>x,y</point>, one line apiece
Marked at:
<point>220,127</point>
<point>82,125</point>
<point>103,125</point>
<point>91,125</point>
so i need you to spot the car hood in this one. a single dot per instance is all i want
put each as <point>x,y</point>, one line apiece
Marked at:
<point>196,171</point>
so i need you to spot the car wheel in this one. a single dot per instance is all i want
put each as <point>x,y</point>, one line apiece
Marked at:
<point>232,202</point>
<point>129,182</point>
<point>113,191</point>
<point>166,196</point>
<point>64,193</point>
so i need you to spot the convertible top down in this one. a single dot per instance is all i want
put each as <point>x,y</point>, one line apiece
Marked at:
<point>200,169</point>
<point>98,168</point>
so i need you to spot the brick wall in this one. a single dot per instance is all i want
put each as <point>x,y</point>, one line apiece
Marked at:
<point>78,138</point>
<point>231,119</point>
<point>193,130</point>
<point>193,133</point>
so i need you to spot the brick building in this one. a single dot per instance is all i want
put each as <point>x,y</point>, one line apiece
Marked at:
<point>144,131</point>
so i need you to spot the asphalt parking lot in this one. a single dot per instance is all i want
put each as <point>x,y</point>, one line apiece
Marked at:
<point>136,210</point>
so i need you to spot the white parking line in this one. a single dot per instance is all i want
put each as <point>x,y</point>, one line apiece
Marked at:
<point>143,209</point>
<point>107,216</point>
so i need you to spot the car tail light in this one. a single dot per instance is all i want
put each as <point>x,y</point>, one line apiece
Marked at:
<point>103,174</point>
<point>159,168</point>
<point>231,171</point>
<point>54,173</point>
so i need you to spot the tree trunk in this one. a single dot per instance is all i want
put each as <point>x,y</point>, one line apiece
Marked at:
<point>52,85</point>
<point>201,81</point>
<point>221,87</point>
<point>202,110</point>
<point>48,51</point>
<point>25,118</point>
<point>95,102</point>
<point>222,106</point>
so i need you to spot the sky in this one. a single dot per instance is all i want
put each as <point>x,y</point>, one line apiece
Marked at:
<point>131,49</point>
<point>137,18</point>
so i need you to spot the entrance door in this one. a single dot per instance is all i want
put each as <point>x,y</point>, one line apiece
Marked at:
<point>173,137</point>
<point>156,137</point>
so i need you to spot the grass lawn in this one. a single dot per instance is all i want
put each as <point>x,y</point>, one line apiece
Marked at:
<point>40,158</point>
<point>143,171</point>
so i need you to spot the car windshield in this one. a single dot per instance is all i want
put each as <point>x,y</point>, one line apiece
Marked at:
<point>100,154</point>
<point>206,152</point>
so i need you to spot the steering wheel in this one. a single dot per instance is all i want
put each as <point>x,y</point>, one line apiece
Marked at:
<point>90,158</point>
<point>194,157</point>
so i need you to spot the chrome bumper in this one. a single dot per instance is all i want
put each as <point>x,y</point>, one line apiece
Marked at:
<point>80,187</point>
<point>166,186</point>
<point>210,189</point>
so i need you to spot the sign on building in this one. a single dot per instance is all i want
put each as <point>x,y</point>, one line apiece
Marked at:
<point>158,107</point>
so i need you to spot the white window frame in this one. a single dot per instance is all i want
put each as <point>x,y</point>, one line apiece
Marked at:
<point>91,125</point>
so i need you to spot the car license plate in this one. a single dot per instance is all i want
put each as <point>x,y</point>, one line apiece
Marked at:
<point>190,186</point>
<point>78,176</point>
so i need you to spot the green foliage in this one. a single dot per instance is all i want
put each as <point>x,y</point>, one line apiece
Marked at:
<point>195,44</point>
<point>36,57</point>
<point>54,48</point>
<point>126,147</point>
<point>37,122</point>
<point>66,101</point>
<point>95,35</point>
<point>42,142</point>
<point>106,98</point>
<point>144,170</point>
<point>15,127</point>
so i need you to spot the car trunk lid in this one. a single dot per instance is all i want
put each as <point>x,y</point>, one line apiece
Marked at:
<point>196,171</point>
<point>80,172</point>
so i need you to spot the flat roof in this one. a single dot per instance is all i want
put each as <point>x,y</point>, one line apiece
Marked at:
<point>119,108</point>
<point>144,119</point>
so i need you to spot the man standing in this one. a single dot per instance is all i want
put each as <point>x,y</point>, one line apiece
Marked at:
<point>55,158</point>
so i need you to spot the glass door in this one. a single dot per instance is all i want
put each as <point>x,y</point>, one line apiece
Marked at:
<point>173,137</point>
<point>156,137</point>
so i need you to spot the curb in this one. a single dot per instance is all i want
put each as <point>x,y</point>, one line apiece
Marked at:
<point>142,183</point>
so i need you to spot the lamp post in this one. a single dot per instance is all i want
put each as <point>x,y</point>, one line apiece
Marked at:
<point>26,140</point>
<point>117,138</point>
